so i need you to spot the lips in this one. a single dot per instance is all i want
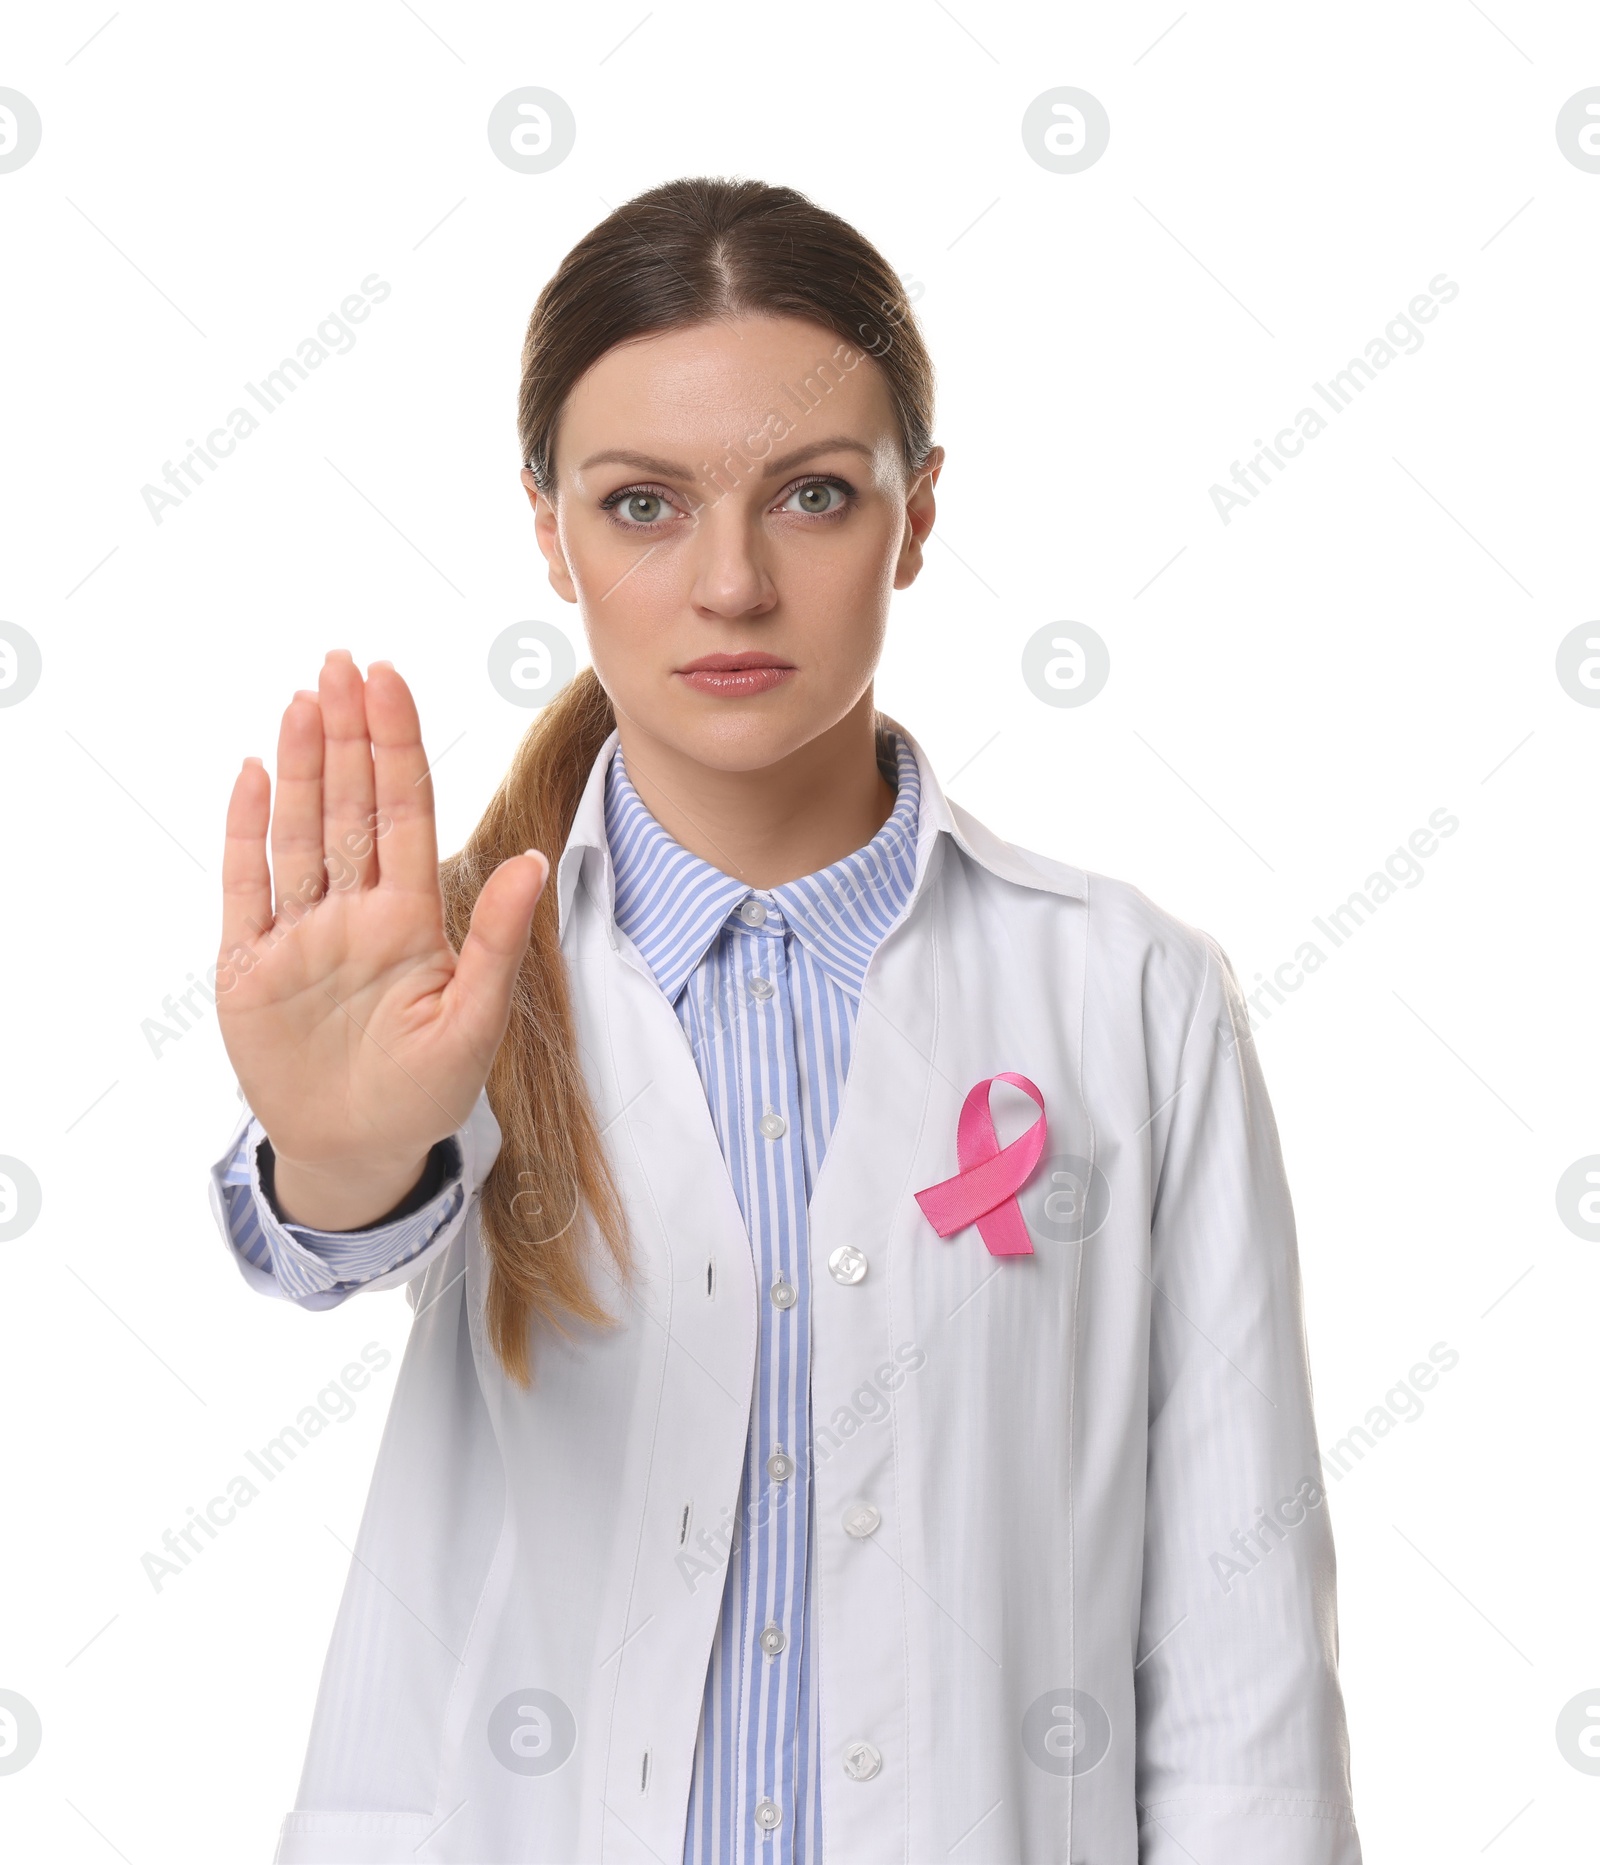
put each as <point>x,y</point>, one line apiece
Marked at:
<point>731,663</point>
<point>736,676</point>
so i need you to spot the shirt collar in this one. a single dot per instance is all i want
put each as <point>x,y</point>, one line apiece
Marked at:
<point>672,903</point>
<point>587,845</point>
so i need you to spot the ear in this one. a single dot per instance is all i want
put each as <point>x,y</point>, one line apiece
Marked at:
<point>547,533</point>
<point>919,519</point>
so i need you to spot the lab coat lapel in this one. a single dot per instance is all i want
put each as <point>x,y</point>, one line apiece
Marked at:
<point>684,1356</point>
<point>952,996</point>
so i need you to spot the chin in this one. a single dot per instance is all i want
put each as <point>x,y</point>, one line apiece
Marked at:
<point>746,745</point>
<point>747,737</point>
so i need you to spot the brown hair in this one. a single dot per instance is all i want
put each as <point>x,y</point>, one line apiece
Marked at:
<point>688,251</point>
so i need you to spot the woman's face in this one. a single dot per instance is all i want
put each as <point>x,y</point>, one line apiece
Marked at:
<point>737,489</point>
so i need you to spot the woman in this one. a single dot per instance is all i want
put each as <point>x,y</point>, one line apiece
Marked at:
<point>856,1405</point>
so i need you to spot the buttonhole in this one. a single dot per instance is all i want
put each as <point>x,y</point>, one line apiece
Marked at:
<point>644,1772</point>
<point>683,1526</point>
<point>711,1271</point>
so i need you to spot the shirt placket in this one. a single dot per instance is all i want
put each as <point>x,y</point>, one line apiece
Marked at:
<point>772,1580</point>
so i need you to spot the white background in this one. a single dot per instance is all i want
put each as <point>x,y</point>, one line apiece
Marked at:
<point>1291,694</point>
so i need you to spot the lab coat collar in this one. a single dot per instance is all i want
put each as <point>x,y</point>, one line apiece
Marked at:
<point>587,845</point>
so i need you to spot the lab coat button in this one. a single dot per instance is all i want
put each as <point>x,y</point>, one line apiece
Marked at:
<point>860,1519</point>
<point>762,987</point>
<point>783,1294</point>
<point>772,1126</point>
<point>847,1264</point>
<point>773,1640</point>
<point>768,1814</point>
<point>780,1466</point>
<point>861,1761</point>
<point>753,913</point>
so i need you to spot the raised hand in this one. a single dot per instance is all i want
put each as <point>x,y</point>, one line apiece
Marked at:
<point>357,1033</point>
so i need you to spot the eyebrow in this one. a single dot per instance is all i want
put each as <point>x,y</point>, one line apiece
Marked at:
<point>671,469</point>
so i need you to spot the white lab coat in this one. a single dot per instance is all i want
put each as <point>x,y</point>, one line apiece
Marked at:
<point>1072,1453</point>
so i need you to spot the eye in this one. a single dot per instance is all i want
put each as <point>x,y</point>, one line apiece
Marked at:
<point>813,492</point>
<point>636,508</point>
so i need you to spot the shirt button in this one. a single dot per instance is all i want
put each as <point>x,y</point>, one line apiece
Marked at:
<point>860,1519</point>
<point>768,1814</point>
<point>780,1466</point>
<point>753,913</point>
<point>783,1294</point>
<point>773,1641</point>
<point>772,1126</point>
<point>861,1761</point>
<point>847,1264</point>
<point>762,987</point>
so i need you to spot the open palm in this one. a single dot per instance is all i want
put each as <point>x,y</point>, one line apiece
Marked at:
<point>357,1033</point>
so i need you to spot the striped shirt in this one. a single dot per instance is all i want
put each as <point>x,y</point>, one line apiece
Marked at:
<point>766,984</point>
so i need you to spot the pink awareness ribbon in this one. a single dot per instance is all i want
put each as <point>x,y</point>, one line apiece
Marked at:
<point>984,1191</point>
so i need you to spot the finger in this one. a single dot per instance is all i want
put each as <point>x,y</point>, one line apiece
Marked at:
<point>246,878</point>
<point>346,774</point>
<point>297,865</point>
<point>479,994</point>
<point>408,853</point>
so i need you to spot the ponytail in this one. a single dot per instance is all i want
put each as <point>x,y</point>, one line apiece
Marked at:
<point>551,1180</point>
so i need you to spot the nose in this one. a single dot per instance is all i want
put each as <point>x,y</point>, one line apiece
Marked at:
<point>731,569</point>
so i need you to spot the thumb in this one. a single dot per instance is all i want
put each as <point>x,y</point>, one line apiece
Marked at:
<point>497,940</point>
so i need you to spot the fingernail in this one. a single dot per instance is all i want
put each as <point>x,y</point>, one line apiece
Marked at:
<point>372,664</point>
<point>305,693</point>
